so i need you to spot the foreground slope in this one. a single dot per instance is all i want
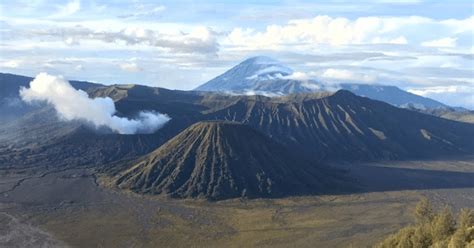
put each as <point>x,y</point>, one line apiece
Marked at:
<point>218,160</point>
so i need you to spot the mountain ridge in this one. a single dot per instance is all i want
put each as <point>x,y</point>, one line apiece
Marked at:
<point>343,125</point>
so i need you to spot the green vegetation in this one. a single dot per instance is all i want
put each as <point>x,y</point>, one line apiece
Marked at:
<point>435,229</point>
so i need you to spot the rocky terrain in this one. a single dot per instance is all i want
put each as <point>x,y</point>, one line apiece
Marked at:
<point>219,160</point>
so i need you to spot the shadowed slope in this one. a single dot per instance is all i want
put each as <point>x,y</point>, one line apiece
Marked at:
<point>343,126</point>
<point>218,160</point>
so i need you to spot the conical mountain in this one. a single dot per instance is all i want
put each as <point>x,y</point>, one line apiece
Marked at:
<point>220,160</point>
<point>247,75</point>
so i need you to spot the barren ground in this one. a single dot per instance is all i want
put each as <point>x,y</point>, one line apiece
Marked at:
<point>68,208</point>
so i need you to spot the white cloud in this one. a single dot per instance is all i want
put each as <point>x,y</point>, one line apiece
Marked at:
<point>10,64</point>
<point>71,41</point>
<point>311,33</point>
<point>460,25</point>
<point>257,92</point>
<point>298,75</point>
<point>347,75</point>
<point>303,76</point>
<point>332,75</point>
<point>433,90</point>
<point>401,40</point>
<point>199,40</point>
<point>453,95</point>
<point>145,10</point>
<point>79,67</point>
<point>156,9</point>
<point>443,42</point>
<point>68,9</point>
<point>130,67</point>
<point>72,104</point>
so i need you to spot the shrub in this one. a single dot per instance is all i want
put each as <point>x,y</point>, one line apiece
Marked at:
<point>434,230</point>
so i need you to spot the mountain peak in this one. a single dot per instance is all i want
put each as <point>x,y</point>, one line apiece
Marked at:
<point>265,68</point>
<point>248,74</point>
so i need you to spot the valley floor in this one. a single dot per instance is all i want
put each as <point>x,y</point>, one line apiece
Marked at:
<point>68,208</point>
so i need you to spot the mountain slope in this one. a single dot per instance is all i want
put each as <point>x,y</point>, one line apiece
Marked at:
<point>392,95</point>
<point>343,126</point>
<point>219,160</point>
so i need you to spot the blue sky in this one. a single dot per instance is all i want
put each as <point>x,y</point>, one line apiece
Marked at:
<point>425,47</point>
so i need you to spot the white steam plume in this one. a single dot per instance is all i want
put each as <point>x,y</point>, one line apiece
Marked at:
<point>72,104</point>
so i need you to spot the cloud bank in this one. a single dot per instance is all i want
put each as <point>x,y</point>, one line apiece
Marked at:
<point>200,40</point>
<point>72,104</point>
<point>454,94</point>
<point>338,31</point>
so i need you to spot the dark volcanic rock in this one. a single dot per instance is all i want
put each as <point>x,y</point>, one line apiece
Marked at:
<point>343,126</point>
<point>219,160</point>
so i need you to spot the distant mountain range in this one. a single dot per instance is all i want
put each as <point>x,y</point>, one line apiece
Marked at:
<point>266,76</point>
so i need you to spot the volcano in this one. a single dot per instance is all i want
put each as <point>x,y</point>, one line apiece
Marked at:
<point>219,160</point>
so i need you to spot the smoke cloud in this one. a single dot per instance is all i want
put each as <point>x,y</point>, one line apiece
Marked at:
<point>72,104</point>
